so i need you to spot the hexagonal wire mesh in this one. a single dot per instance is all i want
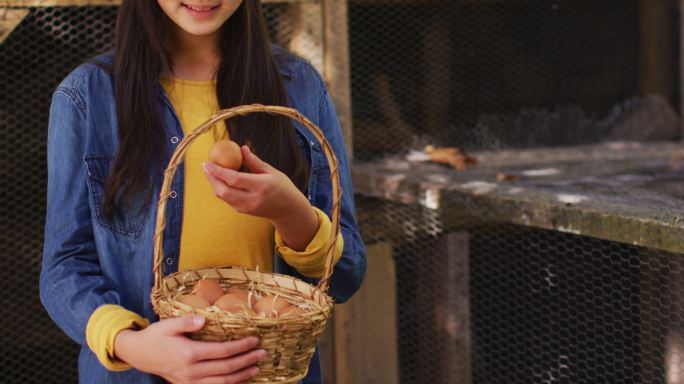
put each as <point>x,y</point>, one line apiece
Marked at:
<point>545,306</point>
<point>35,57</point>
<point>500,74</point>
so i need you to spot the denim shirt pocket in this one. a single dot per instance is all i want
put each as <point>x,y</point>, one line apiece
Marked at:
<point>129,221</point>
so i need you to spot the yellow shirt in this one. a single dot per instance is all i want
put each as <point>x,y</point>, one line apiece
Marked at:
<point>213,233</point>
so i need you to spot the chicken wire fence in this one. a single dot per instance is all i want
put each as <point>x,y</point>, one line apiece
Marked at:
<point>511,73</point>
<point>545,306</point>
<point>41,51</point>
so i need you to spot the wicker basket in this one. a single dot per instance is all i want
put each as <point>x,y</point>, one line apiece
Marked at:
<point>289,341</point>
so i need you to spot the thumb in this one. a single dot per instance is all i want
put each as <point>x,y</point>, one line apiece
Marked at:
<point>183,324</point>
<point>253,162</point>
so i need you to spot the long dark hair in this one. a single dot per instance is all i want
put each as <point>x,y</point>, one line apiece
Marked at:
<point>248,73</point>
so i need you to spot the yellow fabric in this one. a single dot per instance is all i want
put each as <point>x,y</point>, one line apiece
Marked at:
<point>103,326</point>
<point>311,261</point>
<point>213,233</point>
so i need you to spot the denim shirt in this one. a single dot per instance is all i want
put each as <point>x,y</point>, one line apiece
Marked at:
<point>90,260</point>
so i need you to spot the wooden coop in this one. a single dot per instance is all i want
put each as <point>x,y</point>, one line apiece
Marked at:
<point>557,258</point>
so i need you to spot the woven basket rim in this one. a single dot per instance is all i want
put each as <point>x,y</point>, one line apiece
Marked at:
<point>192,276</point>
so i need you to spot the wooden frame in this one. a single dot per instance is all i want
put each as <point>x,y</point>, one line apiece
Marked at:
<point>9,19</point>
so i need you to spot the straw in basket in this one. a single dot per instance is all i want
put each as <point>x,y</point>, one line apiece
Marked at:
<point>289,341</point>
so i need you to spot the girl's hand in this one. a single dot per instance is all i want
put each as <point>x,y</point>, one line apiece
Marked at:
<point>163,350</point>
<point>266,192</point>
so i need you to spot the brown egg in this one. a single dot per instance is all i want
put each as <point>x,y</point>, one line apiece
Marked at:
<point>242,292</point>
<point>226,153</point>
<point>209,289</point>
<point>195,301</point>
<point>249,313</point>
<point>292,311</point>
<point>232,302</point>
<point>270,307</point>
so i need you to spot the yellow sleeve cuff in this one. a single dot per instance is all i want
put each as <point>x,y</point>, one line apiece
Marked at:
<point>103,326</point>
<point>311,261</point>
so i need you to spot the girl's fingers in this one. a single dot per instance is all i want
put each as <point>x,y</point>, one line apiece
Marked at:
<point>229,366</point>
<point>222,189</point>
<point>253,162</point>
<point>233,178</point>
<point>222,350</point>
<point>233,378</point>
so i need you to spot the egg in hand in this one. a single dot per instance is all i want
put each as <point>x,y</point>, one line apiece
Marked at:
<point>226,153</point>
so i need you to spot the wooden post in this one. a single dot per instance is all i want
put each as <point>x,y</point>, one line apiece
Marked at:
<point>319,34</point>
<point>655,47</point>
<point>444,343</point>
<point>336,68</point>
<point>437,56</point>
<point>366,326</point>
<point>304,22</point>
<point>454,322</point>
<point>326,348</point>
<point>664,326</point>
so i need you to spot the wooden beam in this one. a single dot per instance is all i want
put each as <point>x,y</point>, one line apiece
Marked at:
<point>326,349</point>
<point>336,64</point>
<point>366,326</point>
<point>76,3</point>
<point>655,32</point>
<point>302,29</point>
<point>437,54</point>
<point>452,312</point>
<point>9,19</point>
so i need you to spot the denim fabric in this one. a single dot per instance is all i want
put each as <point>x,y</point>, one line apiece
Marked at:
<point>90,260</point>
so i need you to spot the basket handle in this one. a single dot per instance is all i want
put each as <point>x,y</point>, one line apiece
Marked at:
<point>179,154</point>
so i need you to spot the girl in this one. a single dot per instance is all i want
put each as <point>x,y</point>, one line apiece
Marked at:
<point>114,123</point>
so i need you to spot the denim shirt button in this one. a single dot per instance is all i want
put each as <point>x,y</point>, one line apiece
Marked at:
<point>309,196</point>
<point>169,260</point>
<point>173,194</point>
<point>313,143</point>
<point>174,140</point>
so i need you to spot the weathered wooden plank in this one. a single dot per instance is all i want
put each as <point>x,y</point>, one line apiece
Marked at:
<point>623,193</point>
<point>366,326</point>
<point>9,19</point>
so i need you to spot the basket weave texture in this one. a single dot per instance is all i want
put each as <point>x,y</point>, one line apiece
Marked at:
<point>289,341</point>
